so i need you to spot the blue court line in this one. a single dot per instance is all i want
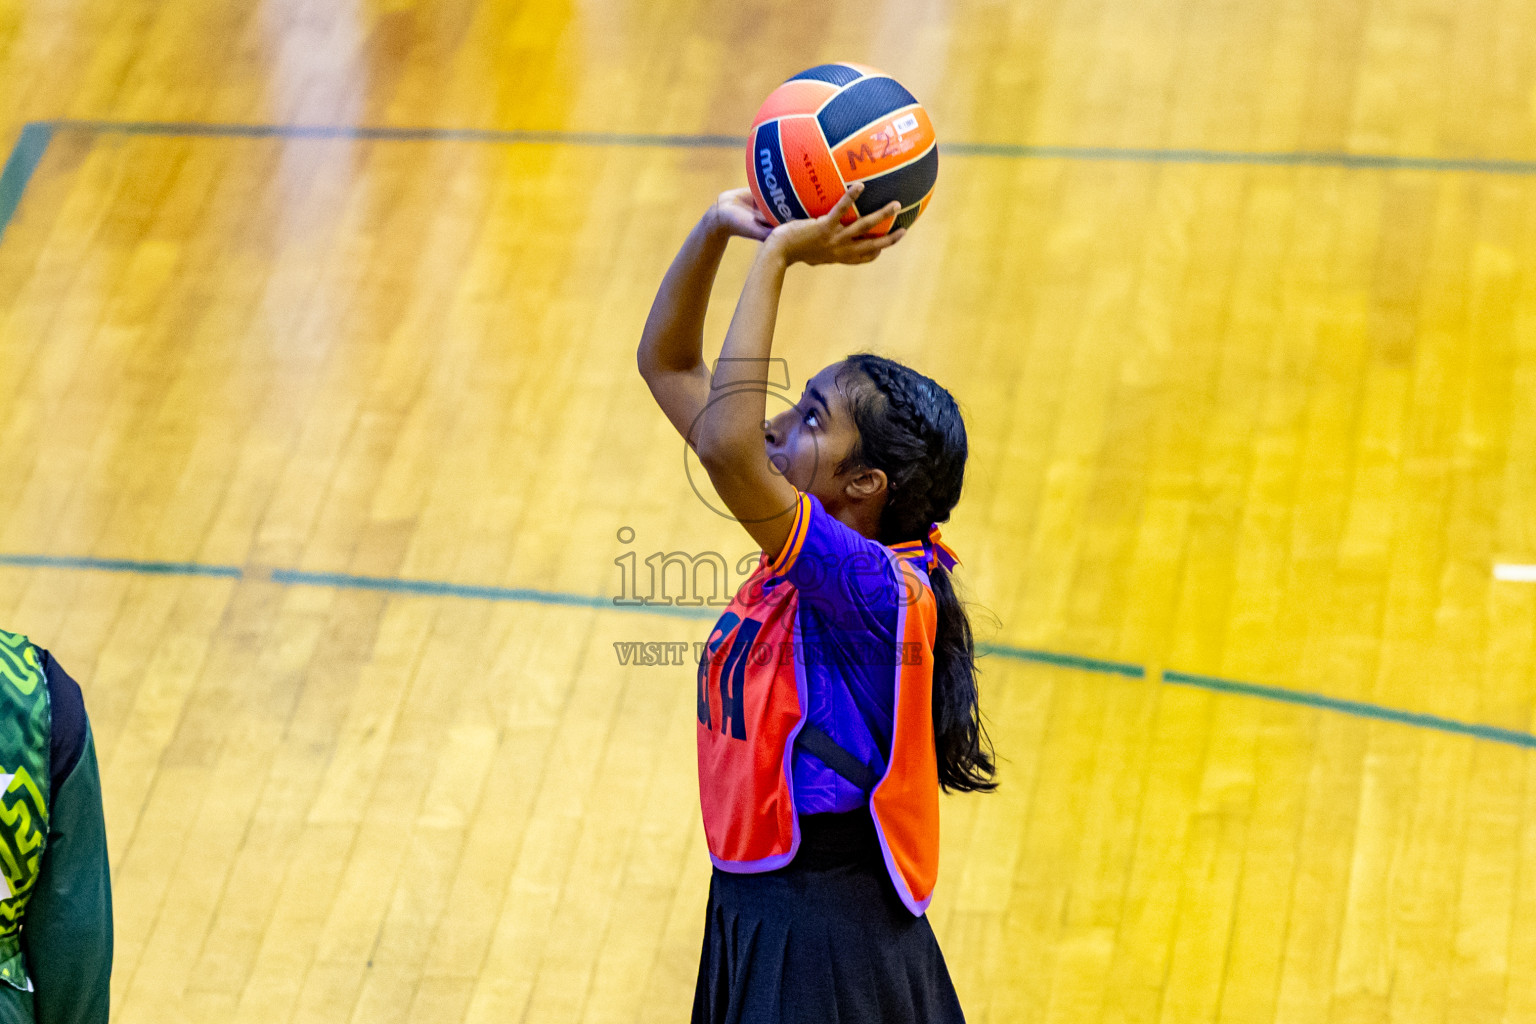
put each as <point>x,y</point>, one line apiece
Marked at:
<point>435,588</point>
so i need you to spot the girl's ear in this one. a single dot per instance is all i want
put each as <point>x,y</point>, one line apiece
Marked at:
<point>866,485</point>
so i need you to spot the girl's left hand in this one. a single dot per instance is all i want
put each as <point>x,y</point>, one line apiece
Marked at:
<point>736,214</point>
<point>827,240</point>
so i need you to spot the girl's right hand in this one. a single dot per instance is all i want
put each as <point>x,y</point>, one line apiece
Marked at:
<point>827,239</point>
<point>736,213</point>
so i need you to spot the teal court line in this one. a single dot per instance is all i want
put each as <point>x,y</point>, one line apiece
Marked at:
<point>434,588</point>
<point>122,565</point>
<point>34,139</point>
<point>516,595</point>
<point>24,158</point>
<point>36,135</point>
<point>1353,707</point>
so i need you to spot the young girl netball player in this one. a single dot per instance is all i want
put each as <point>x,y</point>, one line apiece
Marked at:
<point>838,691</point>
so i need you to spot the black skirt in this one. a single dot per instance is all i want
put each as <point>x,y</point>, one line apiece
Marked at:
<point>824,940</point>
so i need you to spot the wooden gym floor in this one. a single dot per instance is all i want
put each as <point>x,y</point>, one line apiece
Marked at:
<point>1250,406</point>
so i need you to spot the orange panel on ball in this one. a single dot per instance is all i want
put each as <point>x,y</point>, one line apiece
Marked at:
<point>801,96</point>
<point>810,165</point>
<point>886,144</point>
<point>882,228</point>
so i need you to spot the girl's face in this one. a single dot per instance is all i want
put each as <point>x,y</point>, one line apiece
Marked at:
<point>808,443</point>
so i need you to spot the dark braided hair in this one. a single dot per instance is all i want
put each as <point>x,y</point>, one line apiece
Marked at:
<point>910,429</point>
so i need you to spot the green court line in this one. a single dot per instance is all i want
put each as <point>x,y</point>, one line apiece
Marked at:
<point>1100,666</point>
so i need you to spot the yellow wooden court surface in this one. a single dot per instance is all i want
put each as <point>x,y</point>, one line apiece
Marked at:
<point>1247,353</point>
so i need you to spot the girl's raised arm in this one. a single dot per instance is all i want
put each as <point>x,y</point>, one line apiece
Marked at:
<point>729,434</point>
<point>671,354</point>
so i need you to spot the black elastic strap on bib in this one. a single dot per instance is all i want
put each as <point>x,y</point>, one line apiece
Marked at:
<point>817,742</point>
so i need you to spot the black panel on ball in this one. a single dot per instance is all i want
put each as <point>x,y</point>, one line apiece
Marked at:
<point>837,74</point>
<point>906,184</point>
<point>905,218</point>
<point>860,104</point>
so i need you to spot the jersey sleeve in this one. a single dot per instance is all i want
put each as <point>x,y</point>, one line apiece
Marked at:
<point>67,706</point>
<point>847,577</point>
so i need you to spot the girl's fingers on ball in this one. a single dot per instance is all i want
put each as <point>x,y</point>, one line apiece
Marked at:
<point>846,200</point>
<point>874,246</point>
<point>866,223</point>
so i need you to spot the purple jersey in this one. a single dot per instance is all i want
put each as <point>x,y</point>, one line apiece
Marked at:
<point>849,593</point>
<point>828,647</point>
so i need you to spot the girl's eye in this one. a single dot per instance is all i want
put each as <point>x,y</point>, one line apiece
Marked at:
<point>810,418</point>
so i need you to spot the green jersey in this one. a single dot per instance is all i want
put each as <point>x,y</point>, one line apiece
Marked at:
<point>25,732</point>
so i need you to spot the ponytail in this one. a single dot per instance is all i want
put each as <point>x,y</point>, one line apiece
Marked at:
<point>966,761</point>
<point>910,429</point>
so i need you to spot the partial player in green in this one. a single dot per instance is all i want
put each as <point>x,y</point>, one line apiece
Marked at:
<point>55,890</point>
